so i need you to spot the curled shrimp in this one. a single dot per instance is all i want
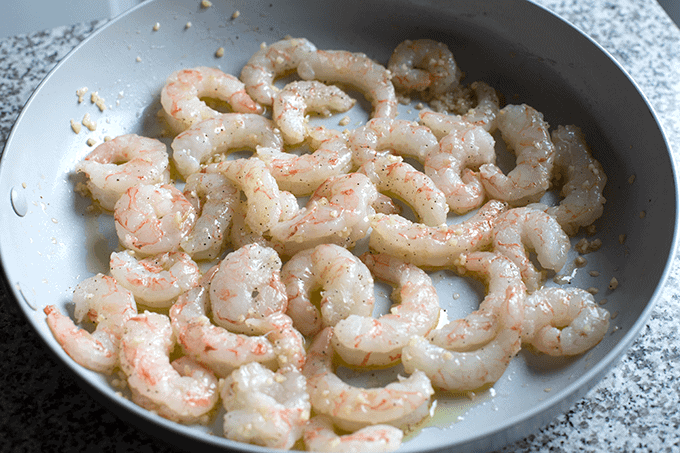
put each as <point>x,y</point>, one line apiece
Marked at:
<point>214,198</point>
<point>354,69</point>
<point>127,160</point>
<point>433,247</point>
<point>337,213</point>
<point>268,62</point>
<point>345,282</point>
<point>106,303</point>
<point>251,175</point>
<point>525,132</point>
<point>401,403</point>
<point>484,114</point>
<point>219,135</point>
<point>181,391</point>
<point>563,321</point>
<point>153,219</point>
<point>392,175</point>
<point>525,228</point>
<point>299,98</point>
<point>319,435</point>
<point>183,90</point>
<point>264,407</point>
<point>504,282</point>
<point>246,286</point>
<point>366,341</point>
<point>460,371</point>
<point>302,174</point>
<point>424,65</point>
<point>583,183</point>
<point>380,136</point>
<point>158,280</point>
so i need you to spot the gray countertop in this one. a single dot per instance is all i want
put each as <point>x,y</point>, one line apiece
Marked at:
<point>636,406</point>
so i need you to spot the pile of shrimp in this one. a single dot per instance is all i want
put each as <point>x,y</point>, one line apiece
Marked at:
<point>226,291</point>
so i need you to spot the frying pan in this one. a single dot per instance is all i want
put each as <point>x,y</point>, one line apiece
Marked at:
<point>51,241</point>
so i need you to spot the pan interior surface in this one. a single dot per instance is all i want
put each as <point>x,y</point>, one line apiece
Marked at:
<point>51,241</point>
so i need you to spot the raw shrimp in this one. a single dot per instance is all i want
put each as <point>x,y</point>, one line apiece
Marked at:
<point>214,198</point>
<point>264,207</point>
<point>345,282</point>
<point>183,90</point>
<point>402,403</point>
<point>320,436</point>
<point>271,61</point>
<point>158,280</point>
<point>525,228</point>
<point>302,174</point>
<point>106,303</point>
<point>460,371</point>
<point>484,114</point>
<point>247,285</point>
<point>127,160</point>
<point>337,213</point>
<point>220,134</point>
<point>424,65</point>
<point>392,175</point>
<point>380,136</point>
<point>583,183</point>
<point>264,407</point>
<point>354,69</point>
<point>182,391</point>
<point>433,247</point>
<point>292,104</point>
<point>563,321</point>
<point>153,219</point>
<point>504,282</point>
<point>526,133</point>
<point>463,149</point>
<point>366,341</point>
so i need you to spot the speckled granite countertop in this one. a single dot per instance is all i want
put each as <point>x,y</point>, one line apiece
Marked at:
<point>636,407</point>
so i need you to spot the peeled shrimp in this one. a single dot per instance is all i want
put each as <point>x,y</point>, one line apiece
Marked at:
<point>299,98</point>
<point>181,391</point>
<point>183,90</point>
<point>433,247</point>
<point>127,160</point>
<point>401,403</point>
<point>345,282</point>
<point>247,285</point>
<point>584,181</point>
<point>264,407</point>
<point>484,114</point>
<point>463,149</point>
<point>271,61</point>
<point>525,132</point>
<point>220,134</point>
<point>214,198</point>
<point>563,321</point>
<point>158,280</point>
<point>424,64</point>
<point>381,136</point>
<point>251,175</point>
<point>460,371</point>
<point>392,175</point>
<point>320,436</point>
<point>106,303</point>
<point>302,174</point>
<point>366,341</point>
<point>337,213</point>
<point>153,219</point>
<point>525,228</point>
<point>354,69</point>
<point>504,282</point>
